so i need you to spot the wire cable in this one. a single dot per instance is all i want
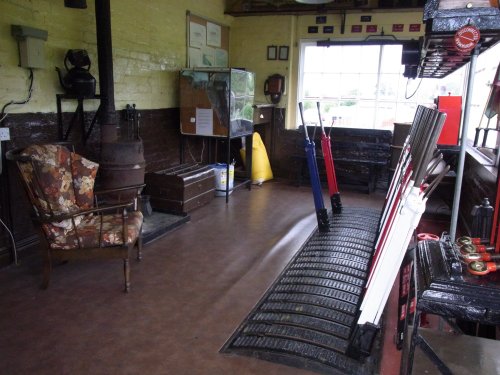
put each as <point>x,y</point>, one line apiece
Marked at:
<point>4,114</point>
<point>414,92</point>
<point>14,250</point>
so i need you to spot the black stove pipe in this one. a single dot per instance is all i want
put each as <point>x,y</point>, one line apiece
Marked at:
<point>107,112</point>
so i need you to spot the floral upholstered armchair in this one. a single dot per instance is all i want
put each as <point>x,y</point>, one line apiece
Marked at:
<point>73,221</point>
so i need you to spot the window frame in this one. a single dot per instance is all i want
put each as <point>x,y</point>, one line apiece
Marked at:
<point>304,43</point>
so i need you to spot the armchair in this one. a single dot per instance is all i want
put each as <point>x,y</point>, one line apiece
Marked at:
<point>73,220</point>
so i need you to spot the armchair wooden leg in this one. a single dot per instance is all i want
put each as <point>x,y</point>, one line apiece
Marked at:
<point>47,269</point>
<point>126,270</point>
<point>139,248</point>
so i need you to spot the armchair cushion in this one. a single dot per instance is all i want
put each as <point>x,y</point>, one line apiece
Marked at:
<point>65,181</point>
<point>83,172</point>
<point>89,230</point>
<point>53,190</point>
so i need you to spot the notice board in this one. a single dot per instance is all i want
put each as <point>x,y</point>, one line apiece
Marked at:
<point>207,43</point>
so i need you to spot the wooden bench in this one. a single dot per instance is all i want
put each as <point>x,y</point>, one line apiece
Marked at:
<point>359,155</point>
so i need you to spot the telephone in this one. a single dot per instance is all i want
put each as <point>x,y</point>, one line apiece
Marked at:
<point>274,87</point>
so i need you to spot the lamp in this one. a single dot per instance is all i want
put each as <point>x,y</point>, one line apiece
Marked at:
<point>77,4</point>
<point>313,1</point>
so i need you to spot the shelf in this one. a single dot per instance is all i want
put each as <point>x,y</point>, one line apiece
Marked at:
<point>78,116</point>
<point>438,56</point>
<point>440,59</point>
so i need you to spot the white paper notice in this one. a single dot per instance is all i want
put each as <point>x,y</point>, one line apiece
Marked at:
<point>197,35</point>
<point>204,121</point>
<point>195,59</point>
<point>213,34</point>
<point>221,58</point>
<point>207,57</point>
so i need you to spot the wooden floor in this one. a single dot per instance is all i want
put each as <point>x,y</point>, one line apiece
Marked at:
<point>191,291</point>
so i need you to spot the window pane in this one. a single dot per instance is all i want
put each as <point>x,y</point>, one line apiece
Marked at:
<point>391,59</point>
<point>311,85</point>
<point>386,115</point>
<point>310,113</point>
<point>363,115</point>
<point>351,59</point>
<point>313,60</point>
<point>369,58</point>
<point>330,85</point>
<point>405,112</point>
<point>388,87</point>
<point>368,86</point>
<point>345,113</point>
<point>349,85</point>
<point>332,58</point>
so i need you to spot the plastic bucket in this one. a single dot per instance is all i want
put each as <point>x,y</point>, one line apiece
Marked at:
<point>220,170</point>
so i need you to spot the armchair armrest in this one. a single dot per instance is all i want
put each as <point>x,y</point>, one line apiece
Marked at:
<point>118,195</point>
<point>96,219</point>
<point>45,218</point>
<point>138,187</point>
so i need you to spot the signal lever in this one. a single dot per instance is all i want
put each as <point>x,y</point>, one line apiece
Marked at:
<point>479,268</point>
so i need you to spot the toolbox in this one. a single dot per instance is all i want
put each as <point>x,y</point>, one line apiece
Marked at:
<point>180,189</point>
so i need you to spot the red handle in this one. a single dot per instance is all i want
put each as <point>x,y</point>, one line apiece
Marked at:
<point>471,248</point>
<point>479,268</point>
<point>484,257</point>
<point>427,236</point>
<point>465,240</point>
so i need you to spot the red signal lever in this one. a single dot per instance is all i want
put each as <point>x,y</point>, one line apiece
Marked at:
<point>465,240</point>
<point>483,257</point>
<point>482,268</point>
<point>471,248</point>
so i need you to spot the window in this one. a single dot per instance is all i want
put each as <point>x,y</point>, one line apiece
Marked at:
<point>362,86</point>
<point>486,68</point>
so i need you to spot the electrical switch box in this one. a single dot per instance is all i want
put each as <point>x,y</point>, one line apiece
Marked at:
<point>4,134</point>
<point>31,46</point>
<point>31,53</point>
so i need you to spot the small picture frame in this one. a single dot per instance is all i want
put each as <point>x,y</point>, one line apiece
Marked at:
<point>272,52</point>
<point>328,29</point>
<point>320,20</point>
<point>283,53</point>
<point>312,29</point>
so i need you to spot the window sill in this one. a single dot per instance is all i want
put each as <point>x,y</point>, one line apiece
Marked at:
<point>481,159</point>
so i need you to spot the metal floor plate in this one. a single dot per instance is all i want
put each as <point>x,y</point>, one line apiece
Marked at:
<point>306,318</point>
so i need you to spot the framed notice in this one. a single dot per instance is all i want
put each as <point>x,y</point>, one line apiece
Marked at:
<point>415,27</point>
<point>283,53</point>
<point>208,43</point>
<point>356,28</point>
<point>272,52</point>
<point>397,27</point>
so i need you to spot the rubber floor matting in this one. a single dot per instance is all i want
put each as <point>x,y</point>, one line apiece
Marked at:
<point>306,318</point>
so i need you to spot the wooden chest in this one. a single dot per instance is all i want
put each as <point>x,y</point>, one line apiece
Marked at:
<point>180,189</point>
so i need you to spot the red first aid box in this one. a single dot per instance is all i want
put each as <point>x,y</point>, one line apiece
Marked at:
<point>452,106</point>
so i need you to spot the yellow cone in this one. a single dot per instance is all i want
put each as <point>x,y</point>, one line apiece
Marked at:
<point>261,168</point>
